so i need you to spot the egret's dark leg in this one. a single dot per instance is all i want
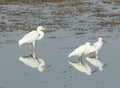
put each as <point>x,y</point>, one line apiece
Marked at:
<point>80,58</point>
<point>97,57</point>
<point>96,52</point>
<point>31,48</point>
<point>33,54</point>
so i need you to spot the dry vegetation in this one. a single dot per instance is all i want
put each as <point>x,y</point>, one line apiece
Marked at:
<point>111,1</point>
<point>107,15</point>
<point>27,1</point>
<point>110,23</point>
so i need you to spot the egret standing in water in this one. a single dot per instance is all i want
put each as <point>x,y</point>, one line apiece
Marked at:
<point>83,49</point>
<point>96,46</point>
<point>31,37</point>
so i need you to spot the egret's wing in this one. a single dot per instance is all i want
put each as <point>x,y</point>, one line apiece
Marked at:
<point>91,49</point>
<point>30,37</point>
<point>77,51</point>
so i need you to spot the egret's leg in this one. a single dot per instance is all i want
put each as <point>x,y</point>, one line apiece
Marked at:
<point>31,48</point>
<point>33,54</point>
<point>96,52</point>
<point>96,56</point>
<point>80,58</point>
<point>33,44</point>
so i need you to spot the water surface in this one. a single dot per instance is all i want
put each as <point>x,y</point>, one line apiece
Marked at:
<point>70,24</point>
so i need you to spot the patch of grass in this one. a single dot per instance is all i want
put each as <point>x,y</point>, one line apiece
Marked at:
<point>110,30</point>
<point>112,23</point>
<point>79,2</point>
<point>80,33</point>
<point>107,15</point>
<point>106,1</point>
<point>110,1</point>
<point>97,9</point>
<point>100,15</point>
<point>27,1</point>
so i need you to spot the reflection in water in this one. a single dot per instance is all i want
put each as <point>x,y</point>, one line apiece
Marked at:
<point>95,61</point>
<point>34,62</point>
<point>82,67</point>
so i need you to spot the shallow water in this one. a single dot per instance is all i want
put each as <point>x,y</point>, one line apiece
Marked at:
<point>80,27</point>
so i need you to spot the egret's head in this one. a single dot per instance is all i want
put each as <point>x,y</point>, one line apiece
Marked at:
<point>101,39</point>
<point>40,28</point>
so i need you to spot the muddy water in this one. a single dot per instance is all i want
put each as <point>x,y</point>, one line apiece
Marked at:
<point>70,23</point>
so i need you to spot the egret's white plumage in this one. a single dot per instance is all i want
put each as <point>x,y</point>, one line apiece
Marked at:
<point>96,46</point>
<point>83,49</point>
<point>82,67</point>
<point>31,37</point>
<point>96,62</point>
<point>34,62</point>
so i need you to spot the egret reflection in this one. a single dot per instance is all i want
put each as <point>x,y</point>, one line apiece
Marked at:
<point>82,67</point>
<point>95,61</point>
<point>34,62</point>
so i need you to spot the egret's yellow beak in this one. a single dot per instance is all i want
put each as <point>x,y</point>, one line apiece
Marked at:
<point>45,29</point>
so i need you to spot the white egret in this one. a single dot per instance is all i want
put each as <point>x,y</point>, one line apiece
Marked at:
<point>82,67</point>
<point>96,46</point>
<point>34,62</point>
<point>83,49</point>
<point>31,37</point>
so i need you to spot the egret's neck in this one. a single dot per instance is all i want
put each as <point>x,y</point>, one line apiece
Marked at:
<point>41,34</point>
<point>101,42</point>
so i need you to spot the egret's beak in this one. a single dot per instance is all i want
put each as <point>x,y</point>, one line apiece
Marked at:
<point>104,41</point>
<point>45,29</point>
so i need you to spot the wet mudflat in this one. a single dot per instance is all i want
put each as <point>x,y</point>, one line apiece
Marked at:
<point>70,23</point>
